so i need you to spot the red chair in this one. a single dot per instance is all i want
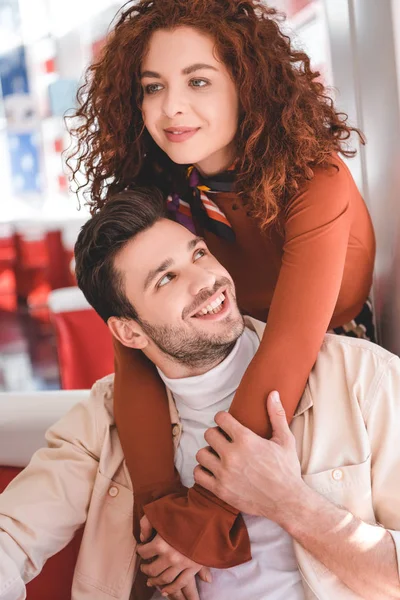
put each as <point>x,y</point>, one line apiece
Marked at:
<point>58,267</point>
<point>31,270</point>
<point>24,418</point>
<point>84,343</point>
<point>69,236</point>
<point>8,289</point>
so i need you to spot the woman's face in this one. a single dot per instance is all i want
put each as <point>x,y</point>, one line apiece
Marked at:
<point>190,103</point>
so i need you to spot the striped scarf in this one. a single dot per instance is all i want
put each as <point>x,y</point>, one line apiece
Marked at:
<point>199,205</point>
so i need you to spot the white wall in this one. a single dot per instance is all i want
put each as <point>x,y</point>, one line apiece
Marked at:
<point>366,73</point>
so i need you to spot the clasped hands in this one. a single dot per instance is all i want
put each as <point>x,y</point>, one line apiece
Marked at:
<point>255,475</point>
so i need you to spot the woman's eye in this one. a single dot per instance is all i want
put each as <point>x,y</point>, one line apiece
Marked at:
<point>152,88</point>
<point>199,254</point>
<point>199,83</point>
<point>165,279</point>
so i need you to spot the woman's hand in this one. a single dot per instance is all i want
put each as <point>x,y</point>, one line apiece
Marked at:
<point>169,570</point>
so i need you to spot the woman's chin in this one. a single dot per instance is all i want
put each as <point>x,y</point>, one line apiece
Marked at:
<point>182,157</point>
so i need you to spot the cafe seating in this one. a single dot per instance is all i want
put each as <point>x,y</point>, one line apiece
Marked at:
<point>84,343</point>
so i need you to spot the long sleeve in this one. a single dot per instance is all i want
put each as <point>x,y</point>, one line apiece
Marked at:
<point>45,505</point>
<point>317,228</point>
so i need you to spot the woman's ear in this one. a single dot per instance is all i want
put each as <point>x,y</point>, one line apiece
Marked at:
<point>128,332</point>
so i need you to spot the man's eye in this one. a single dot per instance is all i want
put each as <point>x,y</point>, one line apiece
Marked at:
<point>199,254</point>
<point>165,279</point>
<point>152,88</point>
<point>199,83</point>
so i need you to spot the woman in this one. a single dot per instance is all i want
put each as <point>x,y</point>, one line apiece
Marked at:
<point>208,100</point>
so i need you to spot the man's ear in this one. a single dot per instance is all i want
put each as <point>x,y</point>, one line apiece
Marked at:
<point>128,332</point>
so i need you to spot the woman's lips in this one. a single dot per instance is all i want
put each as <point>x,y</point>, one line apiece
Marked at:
<point>180,134</point>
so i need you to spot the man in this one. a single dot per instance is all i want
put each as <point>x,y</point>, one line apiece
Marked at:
<point>321,501</point>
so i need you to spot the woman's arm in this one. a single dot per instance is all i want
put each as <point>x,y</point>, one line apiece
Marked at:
<point>317,228</point>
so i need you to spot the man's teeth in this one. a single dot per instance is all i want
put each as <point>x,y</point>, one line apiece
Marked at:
<point>213,308</point>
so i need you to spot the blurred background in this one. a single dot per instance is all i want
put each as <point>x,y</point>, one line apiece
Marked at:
<point>49,338</point>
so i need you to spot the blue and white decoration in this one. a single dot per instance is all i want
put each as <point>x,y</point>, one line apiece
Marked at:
<point>13,72</point>
<point>21,119</point>
<point>24,155</point>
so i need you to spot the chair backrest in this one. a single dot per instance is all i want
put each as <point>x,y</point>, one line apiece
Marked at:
<point>58,268</point>
<point>24,419</point>
<point>84,343</point>
<point>7,246</point>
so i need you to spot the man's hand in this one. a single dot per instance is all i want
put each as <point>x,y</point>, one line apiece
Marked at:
<point>254,475</point>
<point>169,570</point>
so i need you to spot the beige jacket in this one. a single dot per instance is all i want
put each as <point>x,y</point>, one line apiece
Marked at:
<point>346,428</point>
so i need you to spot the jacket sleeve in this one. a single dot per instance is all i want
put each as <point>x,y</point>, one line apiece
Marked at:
<point>317,229</point>
<point>382,417</point>
<point>45,505</point>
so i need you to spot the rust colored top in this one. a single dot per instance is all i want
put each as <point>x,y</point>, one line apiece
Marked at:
<point>309,271</point>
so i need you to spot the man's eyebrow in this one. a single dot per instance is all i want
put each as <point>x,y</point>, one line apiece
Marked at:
<point>154,272</point>
<point>185,71</point>
<point>166,264</point>
<point>193,243</point>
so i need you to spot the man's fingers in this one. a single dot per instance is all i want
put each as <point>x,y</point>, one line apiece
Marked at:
<point>277,415</point>
<point>156,567</point>
<point>146,529</point>
<point>206,480</point>
<point>153,548</point>
<point>186,582</point>
<point>208,460</point>
<point>205,574</point>
<point>216,439</point>
<point>166,577</point>
<point>229,424</point>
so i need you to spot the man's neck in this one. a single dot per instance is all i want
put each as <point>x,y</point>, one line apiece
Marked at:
<point>178,370</point>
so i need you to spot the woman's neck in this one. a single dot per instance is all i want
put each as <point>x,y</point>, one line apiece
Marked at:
<point>216,163</point>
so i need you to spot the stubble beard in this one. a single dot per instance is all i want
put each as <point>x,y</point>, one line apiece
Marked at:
<point>199,350</point>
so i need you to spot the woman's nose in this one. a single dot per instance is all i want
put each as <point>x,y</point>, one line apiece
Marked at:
<point>173,104</point>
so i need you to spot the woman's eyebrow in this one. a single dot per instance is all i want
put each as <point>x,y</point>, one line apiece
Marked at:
<point>186,71</point>
<point>197,67</point>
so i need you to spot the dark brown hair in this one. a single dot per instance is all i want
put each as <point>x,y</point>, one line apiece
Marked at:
<point>288,124</point>
<point>102,237</point>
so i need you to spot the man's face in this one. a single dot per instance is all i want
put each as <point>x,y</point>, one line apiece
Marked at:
<point>184,298</point>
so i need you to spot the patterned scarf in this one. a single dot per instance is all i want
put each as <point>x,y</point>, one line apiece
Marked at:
<point>199,204</point>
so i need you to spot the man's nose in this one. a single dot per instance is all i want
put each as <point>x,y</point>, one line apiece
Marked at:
<point>200,280</point>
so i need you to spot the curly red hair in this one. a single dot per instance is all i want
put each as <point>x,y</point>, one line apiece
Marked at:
<point>287,125</point>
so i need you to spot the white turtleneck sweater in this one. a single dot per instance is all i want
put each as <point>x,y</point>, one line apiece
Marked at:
<point>272,573</point>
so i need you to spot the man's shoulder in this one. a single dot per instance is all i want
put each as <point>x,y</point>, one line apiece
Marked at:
<point>105,384</point>
<point>358,349</point>
<point>102,395</point>
<point>352,364</point>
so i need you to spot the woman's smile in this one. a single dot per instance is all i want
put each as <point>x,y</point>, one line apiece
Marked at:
<point>180,134</point>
